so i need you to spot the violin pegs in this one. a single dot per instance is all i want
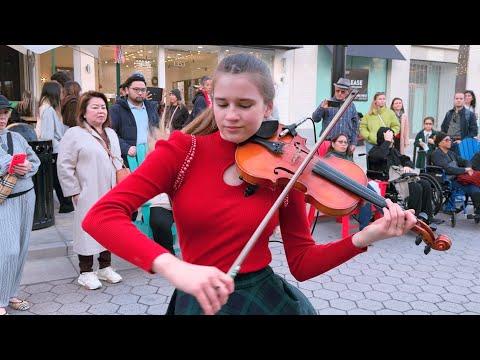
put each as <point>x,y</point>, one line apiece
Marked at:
<point>433,228</point>
<point>418,240</point>
<point>422,216</point>
<point>427,249</point>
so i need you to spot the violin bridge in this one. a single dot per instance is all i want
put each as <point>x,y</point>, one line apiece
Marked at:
<point>296,155</point>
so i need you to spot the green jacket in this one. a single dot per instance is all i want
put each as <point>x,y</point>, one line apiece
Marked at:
<point>370,124</point>
<point>420,155</point>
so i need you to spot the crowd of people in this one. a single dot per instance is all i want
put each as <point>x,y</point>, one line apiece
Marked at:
<point>385,132</point>
<point>188,176</point>
<point>91,142</point>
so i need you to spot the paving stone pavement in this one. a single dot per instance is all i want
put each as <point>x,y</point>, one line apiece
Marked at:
<point>393,277</point>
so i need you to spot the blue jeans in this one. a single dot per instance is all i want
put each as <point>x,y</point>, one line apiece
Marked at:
<point>365,214</point>
<point>470,190</point>
<point>368,146</point>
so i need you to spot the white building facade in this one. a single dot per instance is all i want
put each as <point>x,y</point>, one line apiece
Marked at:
<point>424,78</point>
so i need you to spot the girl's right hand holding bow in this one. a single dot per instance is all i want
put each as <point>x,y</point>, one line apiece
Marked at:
<point>210,286</point>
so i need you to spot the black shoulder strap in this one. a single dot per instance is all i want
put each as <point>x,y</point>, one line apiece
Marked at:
<point>10,143</point>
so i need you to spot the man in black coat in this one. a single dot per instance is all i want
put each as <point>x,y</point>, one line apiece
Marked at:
<point>133,116</point>
<point>459,123</point>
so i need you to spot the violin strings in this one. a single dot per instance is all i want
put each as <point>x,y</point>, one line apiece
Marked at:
<point>334,176</point>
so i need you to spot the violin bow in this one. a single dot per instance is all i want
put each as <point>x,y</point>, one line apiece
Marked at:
<point>235,268</point>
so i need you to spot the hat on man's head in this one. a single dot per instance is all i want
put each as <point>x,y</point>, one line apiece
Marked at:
<point>134,77</point>
<point>4,103</point>
<point>177,94</point>
<point>342,83</point>
<point>137,74</point>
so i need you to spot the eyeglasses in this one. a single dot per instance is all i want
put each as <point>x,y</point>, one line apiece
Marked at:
<point>447,139</point>
<point>140,90</point>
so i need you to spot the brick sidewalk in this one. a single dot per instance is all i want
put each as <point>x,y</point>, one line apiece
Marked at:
<point>393,277</point>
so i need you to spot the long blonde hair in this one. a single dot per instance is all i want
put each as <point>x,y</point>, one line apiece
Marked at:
<point>153,135</point>
<point>205,123</point>
<point>373,109</point>
<point>163,129</point>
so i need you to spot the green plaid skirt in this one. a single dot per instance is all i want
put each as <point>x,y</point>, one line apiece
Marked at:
<point>258,293</point>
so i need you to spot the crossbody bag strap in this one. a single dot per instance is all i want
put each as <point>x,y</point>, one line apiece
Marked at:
<point>173,114</point>
<point>383,122</point>
<point>9,143</point>
<point>110,155</point>
<point>169,125</point>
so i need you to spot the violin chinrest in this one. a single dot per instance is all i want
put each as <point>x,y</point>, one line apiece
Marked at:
<point>267,129</point>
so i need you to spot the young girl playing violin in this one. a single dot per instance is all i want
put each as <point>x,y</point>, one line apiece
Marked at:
<point>214,218</point>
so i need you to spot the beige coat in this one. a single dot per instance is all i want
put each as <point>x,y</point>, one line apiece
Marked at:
<point>85,168</point>
<point>404,134</point>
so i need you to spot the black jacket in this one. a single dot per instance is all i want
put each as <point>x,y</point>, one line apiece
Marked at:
<point>199,105</point>
<point>450,162</point>
<point>180,116</point>
<point>468,123</point>
<point>381,157</point>
<point>476,161</point>
<point>421,158</point>
<point>123,122</point>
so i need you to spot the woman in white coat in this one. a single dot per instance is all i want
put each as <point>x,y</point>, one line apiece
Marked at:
<point>87,171</point>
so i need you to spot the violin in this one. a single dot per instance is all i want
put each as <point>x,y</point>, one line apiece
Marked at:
<point>276,157</point>
<point>334,186</point>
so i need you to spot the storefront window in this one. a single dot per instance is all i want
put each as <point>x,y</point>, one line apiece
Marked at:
<point>185,65</point>
<point>373,74</point>
<point>143,59</point>
<point>265,55</point>
<point>107,71</point>
<point>61,57</point>
<point>10,73</point>
<point>137,58</point>
<point>431,90</point>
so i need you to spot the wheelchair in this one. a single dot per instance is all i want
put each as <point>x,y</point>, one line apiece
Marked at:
<point>454,200</point>
<point>394,196</point>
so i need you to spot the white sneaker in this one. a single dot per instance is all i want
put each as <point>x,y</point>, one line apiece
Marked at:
<point>89,280</point>
<point>108,274</point>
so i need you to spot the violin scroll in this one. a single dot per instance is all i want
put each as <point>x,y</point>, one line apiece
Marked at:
<point>425,234</point>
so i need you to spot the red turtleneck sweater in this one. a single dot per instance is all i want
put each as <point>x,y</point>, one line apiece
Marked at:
<point>214,220</point>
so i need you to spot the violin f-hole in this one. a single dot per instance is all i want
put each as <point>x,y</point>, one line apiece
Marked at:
<point>277,170</point>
